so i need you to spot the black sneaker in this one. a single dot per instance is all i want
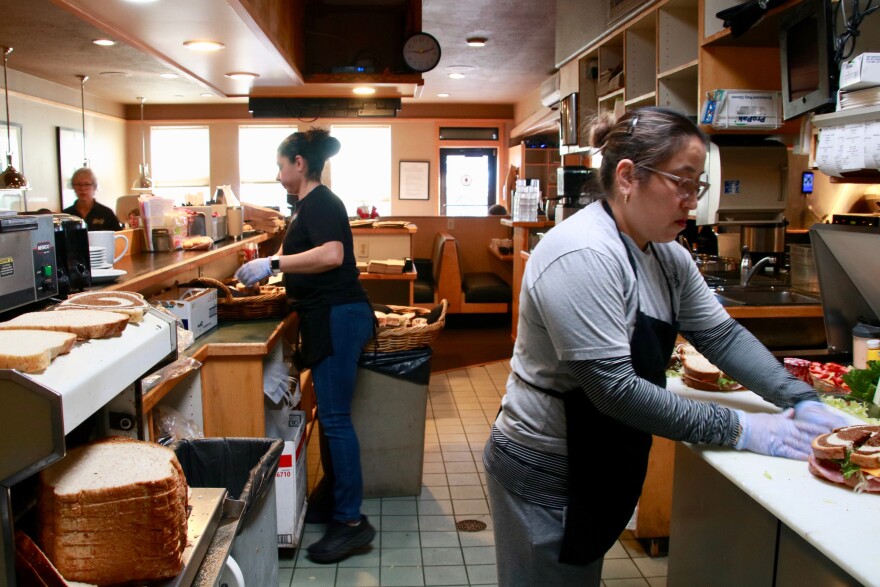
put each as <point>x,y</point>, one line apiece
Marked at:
<point>341,540</point>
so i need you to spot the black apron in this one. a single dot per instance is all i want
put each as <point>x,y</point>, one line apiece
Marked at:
<point>601,503</point>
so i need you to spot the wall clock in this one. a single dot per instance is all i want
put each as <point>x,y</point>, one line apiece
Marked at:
<point>421,52</point>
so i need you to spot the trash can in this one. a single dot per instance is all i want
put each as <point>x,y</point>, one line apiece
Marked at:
<point>246,468</point>
<point>388,411</point>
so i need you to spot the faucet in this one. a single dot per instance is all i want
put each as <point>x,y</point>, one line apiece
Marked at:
<point>746,273</point>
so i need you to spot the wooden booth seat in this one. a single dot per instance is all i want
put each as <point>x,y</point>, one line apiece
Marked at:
<point>441,277</point>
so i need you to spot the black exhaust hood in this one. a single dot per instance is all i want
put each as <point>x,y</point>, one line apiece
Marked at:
<point>323,107</point>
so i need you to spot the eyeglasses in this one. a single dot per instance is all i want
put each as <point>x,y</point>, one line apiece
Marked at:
<point>83,185</point>
<point>685,187</point>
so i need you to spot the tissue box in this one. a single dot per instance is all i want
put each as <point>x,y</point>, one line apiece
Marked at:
<point>743,109</point>
<point>861,72</point>
<point>195,306</point>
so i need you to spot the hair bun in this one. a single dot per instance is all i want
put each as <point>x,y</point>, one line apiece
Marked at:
<point>600,128</point>
<point>330,146</point>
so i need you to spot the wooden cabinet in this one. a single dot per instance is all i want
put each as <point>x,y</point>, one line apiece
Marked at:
<point>540,164</point>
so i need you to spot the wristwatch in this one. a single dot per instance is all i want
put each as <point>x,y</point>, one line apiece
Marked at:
<point>275,264</point>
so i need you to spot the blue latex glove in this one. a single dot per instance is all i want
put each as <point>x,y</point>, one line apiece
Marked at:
<point>254,271</point>
<point>822,415</point>
<point>777,435</point>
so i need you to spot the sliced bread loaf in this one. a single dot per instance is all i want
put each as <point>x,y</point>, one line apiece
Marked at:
<point>85,324</point>
<point>114,511</point>
<point>126,302</point>
<point>31,351</point>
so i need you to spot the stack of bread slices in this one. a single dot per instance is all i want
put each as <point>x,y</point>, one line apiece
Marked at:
<point>32,340</point>
<point>699,373</point>
<point>114,512</point>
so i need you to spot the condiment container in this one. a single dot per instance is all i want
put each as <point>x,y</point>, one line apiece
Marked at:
<point>873,353</point>
<point>861,334</point>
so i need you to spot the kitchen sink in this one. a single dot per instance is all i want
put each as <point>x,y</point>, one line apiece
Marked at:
<point>762,296</point>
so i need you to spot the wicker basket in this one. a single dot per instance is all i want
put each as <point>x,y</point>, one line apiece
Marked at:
<point>405,338</point>
<point>271,301</point>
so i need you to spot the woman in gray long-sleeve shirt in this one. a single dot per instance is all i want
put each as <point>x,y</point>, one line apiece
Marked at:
<point>603,297</point>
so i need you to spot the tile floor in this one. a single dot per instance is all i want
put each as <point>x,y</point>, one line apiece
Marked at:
<point>417,542</point>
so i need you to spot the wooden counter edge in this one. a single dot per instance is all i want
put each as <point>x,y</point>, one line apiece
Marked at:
<point>792,311</point>
<point>155,395</point>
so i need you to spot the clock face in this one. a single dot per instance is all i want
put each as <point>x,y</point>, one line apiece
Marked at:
<point>421,52</point>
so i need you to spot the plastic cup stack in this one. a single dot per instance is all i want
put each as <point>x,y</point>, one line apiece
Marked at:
<point>525,200</point>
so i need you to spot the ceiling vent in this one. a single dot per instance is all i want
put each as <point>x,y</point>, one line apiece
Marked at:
<point>550,95</point>
<point>323,107</point>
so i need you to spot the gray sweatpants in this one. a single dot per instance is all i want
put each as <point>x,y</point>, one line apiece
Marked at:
<point>528,539</point>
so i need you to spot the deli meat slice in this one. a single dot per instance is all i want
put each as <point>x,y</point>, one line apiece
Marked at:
<point>830,471</point>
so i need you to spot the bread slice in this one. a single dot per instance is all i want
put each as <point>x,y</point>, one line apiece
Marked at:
<point>836,443</point>
<point>127,302</point>
<point>85,324</point>
<point>31,351</point>
<point>698,367</point>
<point>868,454</point>
<point>114,512</point>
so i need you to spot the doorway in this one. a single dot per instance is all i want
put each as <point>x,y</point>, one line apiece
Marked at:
<point>468,181</point>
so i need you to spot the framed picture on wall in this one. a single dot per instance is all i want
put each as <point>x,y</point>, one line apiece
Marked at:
<point>71,154</point>
<point>413,180</point>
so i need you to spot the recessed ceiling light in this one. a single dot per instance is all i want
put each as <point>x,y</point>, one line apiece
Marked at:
<point>206,95</point>
<point>113,74</point>
<point>242,75</point>
<point>139,1</point>
<point>364,90</point>
<point>104,42</point>
<point>178,95</point>
<point>456,75</point>
<point>443,95</point>
<point>204,45</point>
<point>477,41</point>
<point>168,75</point>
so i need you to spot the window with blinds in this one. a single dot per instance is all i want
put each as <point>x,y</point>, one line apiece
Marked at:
<point>258,167</point>
<point>180,157</point>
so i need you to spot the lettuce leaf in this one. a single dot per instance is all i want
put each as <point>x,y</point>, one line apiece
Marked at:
<point>863,382</point>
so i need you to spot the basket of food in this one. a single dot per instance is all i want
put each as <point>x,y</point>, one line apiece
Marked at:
<point>406,327</point>
<point>237,302</point>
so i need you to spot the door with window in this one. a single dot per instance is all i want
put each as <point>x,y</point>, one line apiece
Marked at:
<point>468,181</point>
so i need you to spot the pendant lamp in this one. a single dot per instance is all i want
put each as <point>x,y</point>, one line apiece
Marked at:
<point>82,97</point>
<point>10,179</point>
<point>143,183</point>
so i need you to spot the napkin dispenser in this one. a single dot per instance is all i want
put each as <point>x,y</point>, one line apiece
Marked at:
<point>215,220</point>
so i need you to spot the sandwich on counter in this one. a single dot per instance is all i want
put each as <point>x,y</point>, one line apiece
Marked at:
<point>849,456</point>
<point>698,373</point>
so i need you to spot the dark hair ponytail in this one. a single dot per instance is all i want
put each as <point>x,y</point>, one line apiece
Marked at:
<point>315,146</point>
<point>645,135</point>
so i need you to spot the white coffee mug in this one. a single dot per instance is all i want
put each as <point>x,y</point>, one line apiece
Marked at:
<point>107,240</point>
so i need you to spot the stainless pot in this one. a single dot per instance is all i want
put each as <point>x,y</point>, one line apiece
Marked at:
<point>766,238</point>
<point>715,264</point>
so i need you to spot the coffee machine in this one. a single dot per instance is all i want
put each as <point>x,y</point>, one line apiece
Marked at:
<point>576,186</point>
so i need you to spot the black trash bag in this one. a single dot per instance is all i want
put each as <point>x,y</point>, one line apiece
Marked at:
<point>245,467</point>
<point>412,365</point>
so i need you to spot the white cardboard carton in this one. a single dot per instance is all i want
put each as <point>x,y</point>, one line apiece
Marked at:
<point>863,71</point>
<point>290,483</point>
<point>195,306</point>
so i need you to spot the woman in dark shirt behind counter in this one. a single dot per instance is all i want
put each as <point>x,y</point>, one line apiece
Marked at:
<point>96,215</point>
<point>336,321</point>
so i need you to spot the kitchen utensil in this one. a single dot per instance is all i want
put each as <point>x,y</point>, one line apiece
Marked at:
<point>715,263</point>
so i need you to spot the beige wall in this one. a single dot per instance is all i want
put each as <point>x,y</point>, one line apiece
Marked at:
<point>41,107</point>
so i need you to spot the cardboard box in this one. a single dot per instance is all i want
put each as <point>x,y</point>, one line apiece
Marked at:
<point>863,71</point>
<point>195,306</point>
<point>743,109</point>
<point>290,483</point>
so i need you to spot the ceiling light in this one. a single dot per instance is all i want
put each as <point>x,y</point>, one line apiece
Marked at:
<point>104,42</point>
<point>82,101</point>
<point>242,75</point>
<point>139,1</point>
<point>113,74</point>
<point>443,95</point>
<point>10,179</point>
<point>168,75</point>
<point>456,75</point>
<point>364,90</point>
<point>476,41</point>
<point>204,45</point>
<point>143,183</point>
<point>206,95</point>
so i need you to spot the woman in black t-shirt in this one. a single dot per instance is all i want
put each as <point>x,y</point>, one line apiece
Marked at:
<point>96,215</point>
<point>336,321</point>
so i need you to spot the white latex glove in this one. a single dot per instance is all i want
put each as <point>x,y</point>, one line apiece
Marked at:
<point>777,435</point>
<point>254,271</point>
<point>818,413</point>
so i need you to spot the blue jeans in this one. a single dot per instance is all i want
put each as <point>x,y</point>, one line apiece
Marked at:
<point>334,377</point>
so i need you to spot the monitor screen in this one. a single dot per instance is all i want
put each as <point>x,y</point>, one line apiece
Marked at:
<point>809,76</point>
